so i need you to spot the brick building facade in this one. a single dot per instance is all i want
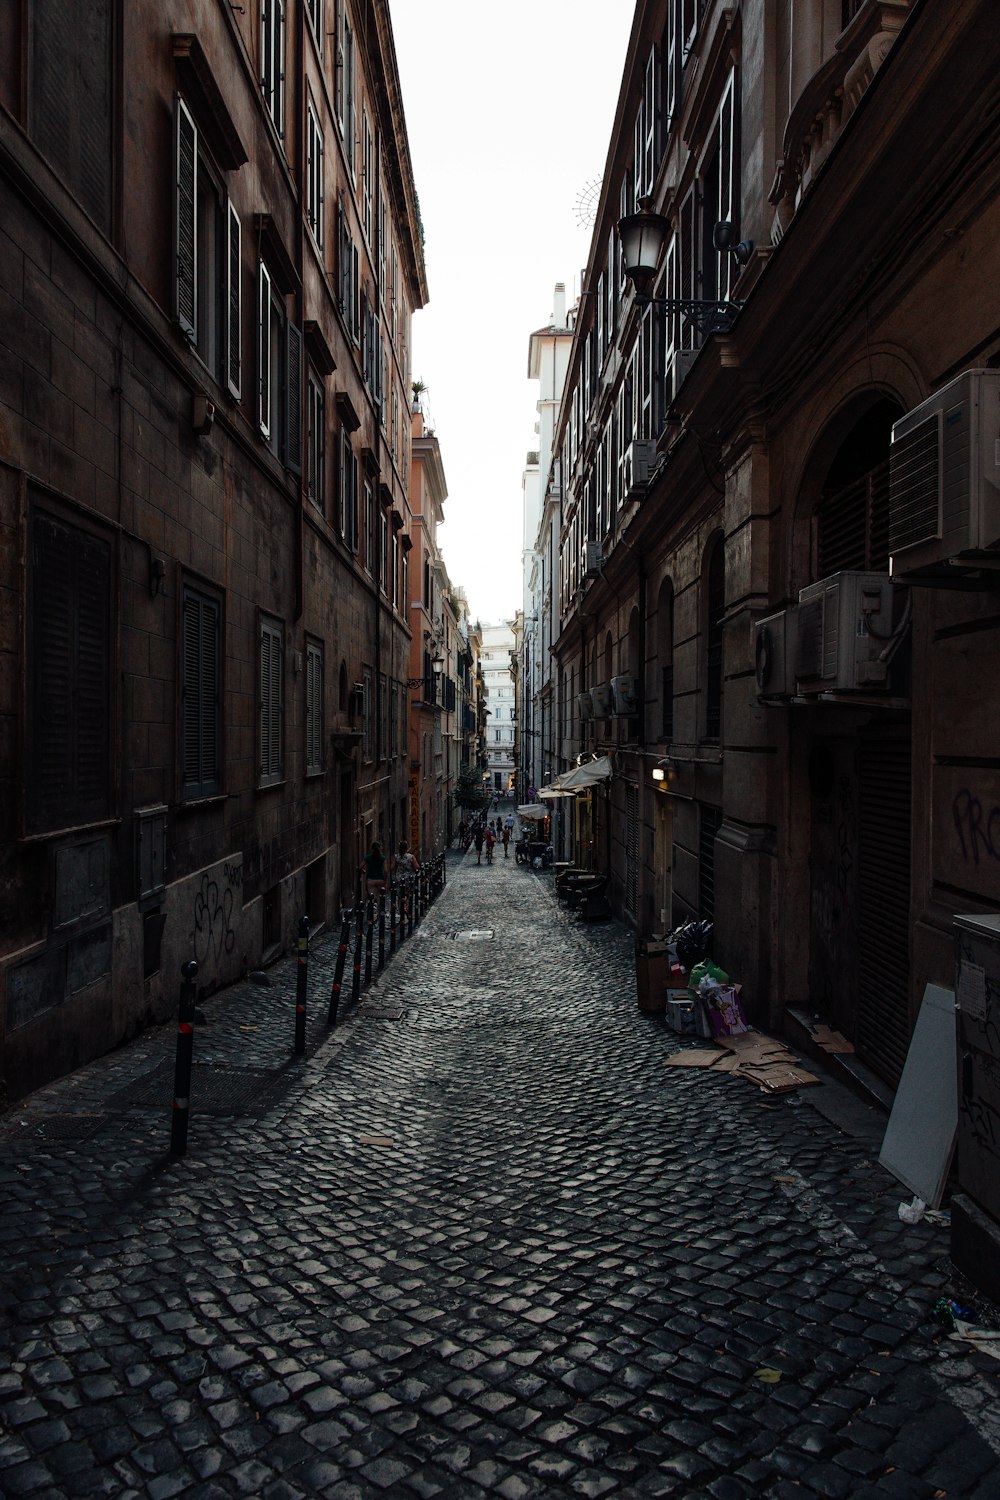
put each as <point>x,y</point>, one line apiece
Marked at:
<point>211,251</point>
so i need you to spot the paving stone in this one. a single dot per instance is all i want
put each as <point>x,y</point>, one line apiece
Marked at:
<point>559,1279</point>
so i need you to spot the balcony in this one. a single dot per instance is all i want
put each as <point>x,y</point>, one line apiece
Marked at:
<point>829,99</point>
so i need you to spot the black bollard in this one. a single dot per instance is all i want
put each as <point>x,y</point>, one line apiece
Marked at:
<point>359,930</point>
<point>338,973</point>
<point>392,921</point>
<point>369,938</point>
<point>301,982</point>
<point>444,873</point>
<point>381,931</point>
<point>182,1066</point>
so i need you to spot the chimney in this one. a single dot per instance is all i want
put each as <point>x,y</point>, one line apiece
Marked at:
<point>559,315</point>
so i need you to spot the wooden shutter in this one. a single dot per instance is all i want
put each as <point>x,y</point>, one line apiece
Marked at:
<point>670,58</point>
<point>70,98</point>
<point>69,729</point>
<point>200,695</point>
<point>314,708</point>
<point>185,218</point>
<point>729,180</point>
<point>234,307</point>
<point>264,351</point>
<point>293,398</point>
<point>271,654</point>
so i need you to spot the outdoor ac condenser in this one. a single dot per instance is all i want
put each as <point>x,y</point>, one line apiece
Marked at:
<point>602,701</point>
<point>593,560</point>
<point>844,626</point>
<point>585,702</point>
<point>944,481</point>
<point>775,645</point>
<point>625,694</point>
<point>640,457</point>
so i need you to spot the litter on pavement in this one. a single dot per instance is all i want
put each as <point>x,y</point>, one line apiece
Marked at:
<point>752,1055</point>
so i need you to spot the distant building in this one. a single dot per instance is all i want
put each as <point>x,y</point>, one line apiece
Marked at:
<point>495,656</point>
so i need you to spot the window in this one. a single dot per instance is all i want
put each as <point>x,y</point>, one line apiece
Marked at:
<point>314,10</point>
<point>383,537</point>
<point>314,174</point>
<point>349,281</point>
<point>369,530</point>
<point>69,710</point>
<point>314,707</point>
<point>208,255</point>
<point>367,174</point>
<point>316,442</point>
<point>395,569</point>
<point>271,701</point>
<point>348,492</point>
<point>279,375</point>
<point>393,719</point>
<point>367,721</point>
<point>345,86</point>
<point>71,97</point>
<point>201,693</point>
<point>272,60</point>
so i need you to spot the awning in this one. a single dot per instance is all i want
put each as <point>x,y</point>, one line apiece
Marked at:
<point>532,811</point>
<point>553,791</point>
<point>587,775</point>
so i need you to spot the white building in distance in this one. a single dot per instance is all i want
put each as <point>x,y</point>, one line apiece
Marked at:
<point>498,643</point>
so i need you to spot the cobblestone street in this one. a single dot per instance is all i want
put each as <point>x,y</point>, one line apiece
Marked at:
<point>479,1241</point>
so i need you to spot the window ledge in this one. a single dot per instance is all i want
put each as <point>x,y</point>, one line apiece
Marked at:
<point>195,804</point>
<point>69,831</point>
<point>271,786</point>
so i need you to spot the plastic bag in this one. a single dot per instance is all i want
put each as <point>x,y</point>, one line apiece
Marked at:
<point>707,970</point>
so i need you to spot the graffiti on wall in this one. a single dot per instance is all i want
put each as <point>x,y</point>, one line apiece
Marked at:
<point>977,825</point>
<point>966,829</point>
<point>217,901</point>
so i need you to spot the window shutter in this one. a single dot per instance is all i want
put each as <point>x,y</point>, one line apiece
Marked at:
<point>234,307</point>
<point>270,702</point>
<point>185,224</point>
<point>276,703</point>
<point>265,701</point>
<point>264,351</point>
<point>200,696</point>
<point>69,730</point>
<point>729,176</point>
<point>293,398</point>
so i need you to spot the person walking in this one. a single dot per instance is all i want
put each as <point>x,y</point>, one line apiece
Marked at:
<point>462,830</point>
<point>373,866</point>
<point>490,840</point>
<point>505,836</point>
<point>478,839</point>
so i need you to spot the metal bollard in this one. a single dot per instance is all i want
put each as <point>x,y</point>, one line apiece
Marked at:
<point>369,937</point>
<point>358,935</point>
<point>182,1065</point>
<point>392,920</point>
<point>338,973</point>
<point>444,873</point>
<point>301,982</point>
<point>381,931</point>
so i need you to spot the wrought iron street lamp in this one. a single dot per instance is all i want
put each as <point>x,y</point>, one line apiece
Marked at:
<point>643,236</point>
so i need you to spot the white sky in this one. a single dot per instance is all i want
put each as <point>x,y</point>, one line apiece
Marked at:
<point>509,112</point>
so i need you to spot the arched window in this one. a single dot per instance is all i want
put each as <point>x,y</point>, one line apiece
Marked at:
<point>665,657</point>
<point>852,518</point>
<point>342,694</point>
<point>715,593</point>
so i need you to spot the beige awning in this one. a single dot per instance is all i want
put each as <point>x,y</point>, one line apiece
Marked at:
<point>587,775</point>
<point>532,811</point>
<point>555,790</point>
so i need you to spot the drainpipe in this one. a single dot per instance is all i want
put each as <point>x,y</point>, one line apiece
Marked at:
<point>300,153</point>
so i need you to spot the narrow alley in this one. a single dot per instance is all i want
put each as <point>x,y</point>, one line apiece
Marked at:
<point>478,1242</point>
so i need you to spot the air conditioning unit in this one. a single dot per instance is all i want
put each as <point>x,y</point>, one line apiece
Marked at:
<point>844,627</point>
<point>625,693</point>
<point>586,706</point>
<point>602,701</point>
<point>593,560</point>
<point>775,644</point>
<point>640,457</point>
<point>944,481</point>
<point>677,371</point>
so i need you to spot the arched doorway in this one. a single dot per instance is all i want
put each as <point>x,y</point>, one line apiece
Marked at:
<point>858,762</point>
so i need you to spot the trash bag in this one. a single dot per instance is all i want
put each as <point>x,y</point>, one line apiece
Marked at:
<point>707,970</point>
<point>694,942</point>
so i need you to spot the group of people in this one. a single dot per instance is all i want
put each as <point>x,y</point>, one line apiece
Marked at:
<point>380,869</point>
<point>486,834</point>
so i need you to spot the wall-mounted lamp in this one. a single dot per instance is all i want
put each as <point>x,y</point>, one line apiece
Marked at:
<point>643,238</point>
<point>437,666</point>
<point>724,239</point>
<point>661,768</point>
<point>157,573</point>
<point>202,415</point>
